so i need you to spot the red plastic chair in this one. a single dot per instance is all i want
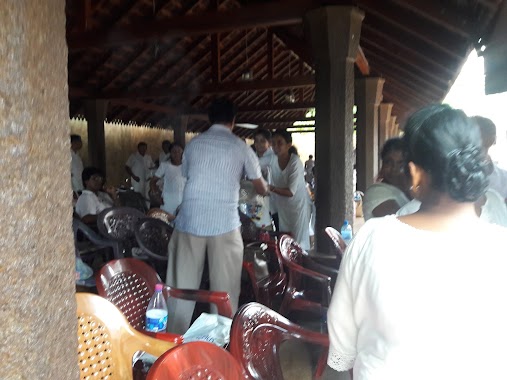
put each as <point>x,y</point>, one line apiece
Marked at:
<point>130,283</point>
<point>297,297</point>
<point>338,243</point>
<point>256,335</point>
<point>196,360</point>
<point>269,289</point>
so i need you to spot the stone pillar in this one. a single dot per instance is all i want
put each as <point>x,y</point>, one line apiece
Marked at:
<point>95,114</point>
<point>180,130</point>
<point>37,266</point>
<point>384,117</point>
<point>368,98</point>
<point>334,32</point>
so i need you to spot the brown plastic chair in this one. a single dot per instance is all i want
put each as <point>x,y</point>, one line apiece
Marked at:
<point>298,297</point>
<point>338,243</point>
<point>118,224</point>
<point>196,360</point>
<point>256,335</point>
<point>268,288</point>
<point>107,342</point>
<point>158,213</point>
<point>130,283</point>
<point>152,236</point>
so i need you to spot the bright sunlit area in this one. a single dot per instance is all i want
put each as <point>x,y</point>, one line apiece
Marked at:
<point>467,93</point>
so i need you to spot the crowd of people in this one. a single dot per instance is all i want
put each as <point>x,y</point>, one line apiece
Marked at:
<point>420,282</point>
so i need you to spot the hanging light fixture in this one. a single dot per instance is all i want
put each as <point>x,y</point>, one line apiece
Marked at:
<point>247,73</point>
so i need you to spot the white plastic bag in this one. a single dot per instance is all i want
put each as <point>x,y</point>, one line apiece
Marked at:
<point>211,328</point>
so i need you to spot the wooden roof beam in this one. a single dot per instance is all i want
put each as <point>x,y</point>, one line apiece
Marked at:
<point>284,12</point>
<point>208,89</point>
<point>438,14</point>
<point>388,15</point>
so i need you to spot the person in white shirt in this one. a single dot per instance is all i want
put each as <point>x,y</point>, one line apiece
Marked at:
<point>422,296</point>
<point>139,167</point>
<point>392,191</point>
<point>262,144</point>
<point>309,165</point>
<point>90,203</point>
<point>174,182</point>
<point>293,201</point>
<point>76,167</point>
<point>165,155</point>
<point>498,176</point>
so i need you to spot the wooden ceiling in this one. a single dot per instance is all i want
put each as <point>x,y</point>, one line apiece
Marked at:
<point>156,60</point>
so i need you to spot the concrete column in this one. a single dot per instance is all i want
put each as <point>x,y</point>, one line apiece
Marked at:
<point>180,130</point>
<point>368,98</point>
<point>334,32</point>
<point>384,116</point>
<point>95,114</point>
<point>37,265</point>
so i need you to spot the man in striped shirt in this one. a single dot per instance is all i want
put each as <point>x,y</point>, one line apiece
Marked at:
<point>208,220</point>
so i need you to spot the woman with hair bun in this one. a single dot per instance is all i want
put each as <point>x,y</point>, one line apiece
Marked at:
<point>289,188</point>
<point>421,296</point>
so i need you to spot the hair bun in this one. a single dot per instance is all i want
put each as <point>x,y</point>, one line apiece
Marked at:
<point>467,174</point>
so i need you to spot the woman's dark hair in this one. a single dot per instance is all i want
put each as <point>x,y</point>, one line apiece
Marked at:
<point>447,145</point>
<point>89,172</point>
<point>287,136</point>
<point>392,145</point>
<point>264,133</point>
<point>222,110</point>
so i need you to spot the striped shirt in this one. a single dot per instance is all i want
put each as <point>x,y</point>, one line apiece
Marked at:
<point>214,164</point>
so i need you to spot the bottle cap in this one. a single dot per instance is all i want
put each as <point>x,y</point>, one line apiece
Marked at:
<point>345,222</point>
<point>159,287</point>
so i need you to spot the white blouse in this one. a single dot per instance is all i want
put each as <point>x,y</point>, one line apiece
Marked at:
<point>414,304</point>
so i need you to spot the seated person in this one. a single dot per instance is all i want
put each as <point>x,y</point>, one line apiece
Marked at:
<point>387,196</point>
<point>89,204</point>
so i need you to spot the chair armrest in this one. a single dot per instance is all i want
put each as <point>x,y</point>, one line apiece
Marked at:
<point>220,299</point>
<point>168,337</point>
<point>309,263</point>
<point>322,278</point>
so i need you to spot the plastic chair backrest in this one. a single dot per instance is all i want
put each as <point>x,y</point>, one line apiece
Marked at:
<point>118,223</point>
<point>256,335</point>
<point>106,341</point>
<point>153,237</point>
<point>337,240</point>
<point>196,360</point>
<point>128,284</point>
<point>158,213</point>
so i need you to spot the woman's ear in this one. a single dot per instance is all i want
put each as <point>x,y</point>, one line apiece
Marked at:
<point>420,180</point>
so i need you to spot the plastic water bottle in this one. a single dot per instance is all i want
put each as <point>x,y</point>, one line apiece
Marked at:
<point>156,314</point>
<point>346,231</point>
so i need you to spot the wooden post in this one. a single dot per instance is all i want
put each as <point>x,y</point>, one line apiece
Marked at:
<point>95,114</point>
<point>180,130</point>
<point>368,98</point>
<point>384,116</point>
<point>334,32</point>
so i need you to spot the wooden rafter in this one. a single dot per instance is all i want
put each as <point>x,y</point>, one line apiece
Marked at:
<point>437,14</point>
<point>285,12</point>
<point>387,15</point>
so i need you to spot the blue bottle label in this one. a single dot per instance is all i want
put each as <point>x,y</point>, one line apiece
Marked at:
<point>156,323</point>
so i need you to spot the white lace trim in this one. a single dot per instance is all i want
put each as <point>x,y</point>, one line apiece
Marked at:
<point>340,362</point>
